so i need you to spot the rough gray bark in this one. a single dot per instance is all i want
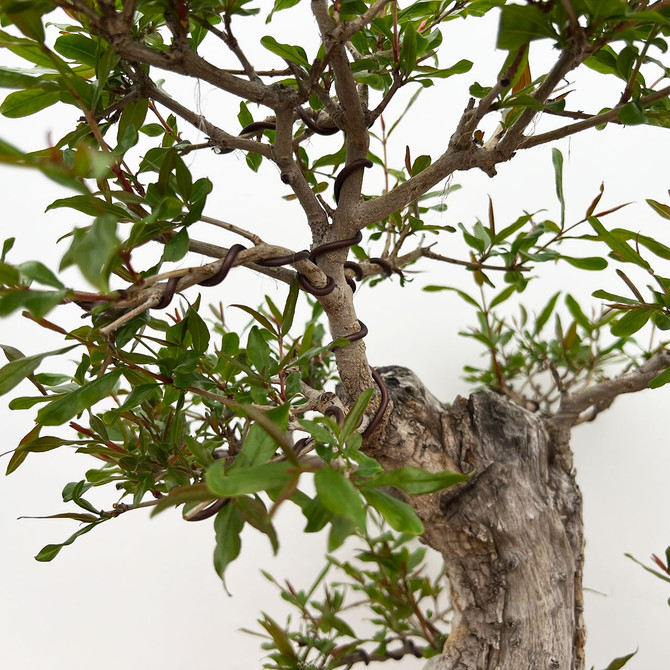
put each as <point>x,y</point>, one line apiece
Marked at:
<point>511,536</point>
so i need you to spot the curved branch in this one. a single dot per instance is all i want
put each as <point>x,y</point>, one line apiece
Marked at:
<point>472,265</point>
<point>373,211</point>
<point>231,42</point>
<point>568,60</point>
<point>603,394</point>
<point>349,28</point>
<point>220,137</point>
<point>180,59</point>
<point>252,237</point>
<point>591,122</point>
<point>361,656</point>
<point>292,174</point>
<point>345,84</point>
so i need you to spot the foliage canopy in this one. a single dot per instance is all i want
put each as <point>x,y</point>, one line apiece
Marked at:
<point>183,410</point>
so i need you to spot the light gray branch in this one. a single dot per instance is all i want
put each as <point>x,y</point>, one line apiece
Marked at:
<point>252,237</point>
<point>220,137</point>
<point>373,211</point>
<point>347,91</point>
<point>181,59</point>
<point>568,60</point>
<point>601,395</point>
<point>345,30</point>
<point>591,122</point>
<point>292,174</point>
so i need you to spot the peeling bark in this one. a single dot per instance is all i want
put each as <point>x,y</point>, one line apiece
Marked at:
<point>511,536</point>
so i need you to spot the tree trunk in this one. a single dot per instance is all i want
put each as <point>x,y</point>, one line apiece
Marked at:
<point>511,536</point>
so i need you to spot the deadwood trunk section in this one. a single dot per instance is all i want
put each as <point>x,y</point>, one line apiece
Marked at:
<point>511,536</point>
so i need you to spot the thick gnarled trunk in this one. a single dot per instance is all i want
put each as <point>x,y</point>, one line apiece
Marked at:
<point>511,536</point>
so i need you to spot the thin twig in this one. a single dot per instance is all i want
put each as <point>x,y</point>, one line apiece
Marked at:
<point>605,117</point>
<point>252,237</point>
<point>602,394</point>
<point>473,265</point>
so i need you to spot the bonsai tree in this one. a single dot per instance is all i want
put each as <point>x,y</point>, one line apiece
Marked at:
<point>230,424</point>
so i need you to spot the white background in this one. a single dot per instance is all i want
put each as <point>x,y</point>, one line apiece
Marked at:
<point>140,593</point>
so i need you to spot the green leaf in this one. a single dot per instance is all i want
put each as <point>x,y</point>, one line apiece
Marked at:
<point>520,24</point>
<point>591,263</point>
<point>9,275</point>
<point>45,443</point>
<point>78,48</point>
<point>133,116</point>
<point>198,330</point>
<point>632,114</point>
<point>254,512</point>
<point>30,50</point>
<point>339,495</point>
<point>316,514</point>
<point>180,495</point>
<point>502,296</point>
<point>66,406</point>
<point>261,318</point>
<point>577,314</point>
<point>294,54</point>
<point>656,247</point>
<point>19,368</point>
<point>660,380</point>
<point>415,481</point>
<point>608,8</point>
<point>7,246</point>
<point>408,49</point>
<point>244,115</point>
<point>317,431</point>
<point>617,244</point>
<point>227,526</point>
<point>38,303</point>
<point>184,179</point>
<point>432,288</point>
<point>136,397</point>
<point>279,5</point>
<point>18,80</point>
<point>25,103</point>
<point>176,247</point>
<point>92,251</point>
<point>606,295</point>
<point>281,640</point>
<point>618,663</point>
<point>340,529</point>
<point>337,158</point>
<point>631,322</point>
<point>254,160</point>
<point>656,573</point>
<point>258,445</point>
<point>15,461</point>
<point>426,72</point>
<point>244,480</point>
<point>27,17</point>
<point>259,352</point>
<point>420,164</point>
<point>50,552</point>
<point>36,271</point>
<point>399,515</point>
<point>355,414</point>
<point>659,208</point>
<point>289,309</point>
<point>557,160</point>
<point>90,205</point>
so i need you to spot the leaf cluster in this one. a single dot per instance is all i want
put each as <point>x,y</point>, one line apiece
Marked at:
<point>387,582</point>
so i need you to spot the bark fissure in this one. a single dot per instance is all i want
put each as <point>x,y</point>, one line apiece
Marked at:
<point>511,536</point>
